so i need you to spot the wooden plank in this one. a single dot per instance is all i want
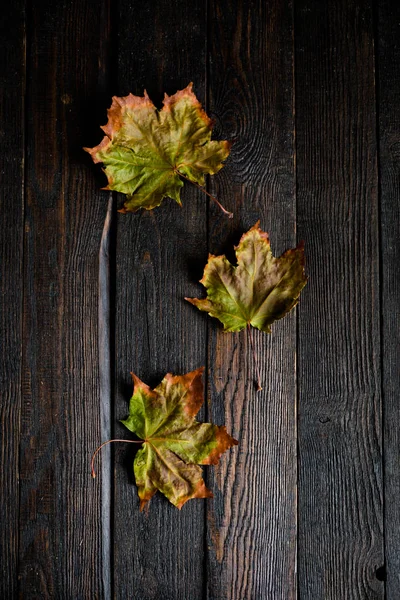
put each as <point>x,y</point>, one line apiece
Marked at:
<point>388,91</point>
<point>252,521</point>
<point>12,89</point>
<point>60,519</point>
<point>159,555</point>
<point>340,464</point>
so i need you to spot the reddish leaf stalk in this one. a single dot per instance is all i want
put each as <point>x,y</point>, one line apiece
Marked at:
<point>255,357</point>
<point>226,212</point>
<point>104,444</point>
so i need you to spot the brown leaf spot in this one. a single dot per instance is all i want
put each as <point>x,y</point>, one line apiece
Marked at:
<point>144,498</point>
<point>192,381</point>
<point>118,107</point>
<point>224,441</point>
<point>105,142</point>
<point>170,101</point>
<point>139,385</point>
<point>200,491</point>
<point>262,234</point>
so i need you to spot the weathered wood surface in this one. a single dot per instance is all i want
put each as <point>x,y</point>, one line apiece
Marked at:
<point>340,510</point>
<point>60,508</point>
<point>307,505</point>
<point>252,554</point>
<point>159,259</point>
<point>388,95</point>
<point>12,90</point>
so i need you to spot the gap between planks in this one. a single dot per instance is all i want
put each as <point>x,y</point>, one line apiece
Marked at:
<point>105,366</point>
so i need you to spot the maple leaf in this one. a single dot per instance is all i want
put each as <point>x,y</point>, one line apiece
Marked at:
<point>146,151</point>
<point>258,291</point>
<point>174,442</point>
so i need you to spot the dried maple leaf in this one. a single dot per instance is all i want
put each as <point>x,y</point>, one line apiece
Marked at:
<point>174,443</point>
<point>146,151</point>
<point>259,290</point>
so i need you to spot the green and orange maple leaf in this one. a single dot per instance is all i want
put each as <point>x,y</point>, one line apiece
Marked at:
<point>258,291</point>
<point>174,443</point>
<point>147,151</point>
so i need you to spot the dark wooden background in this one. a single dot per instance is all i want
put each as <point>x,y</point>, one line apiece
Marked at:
<point>308,505</point>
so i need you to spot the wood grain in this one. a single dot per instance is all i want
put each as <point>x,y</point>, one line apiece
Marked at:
<point>12,77</point>
<point>252,521</point>
<point>65,358</point>
<point>388,89</point>
<point>160,555</point>
<point>340,542</point>
<point>60,524</point>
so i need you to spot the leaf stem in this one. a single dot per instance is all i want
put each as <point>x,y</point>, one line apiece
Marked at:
<point>230,215</point>
<point>104,444</point>
<point>250,336</point>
